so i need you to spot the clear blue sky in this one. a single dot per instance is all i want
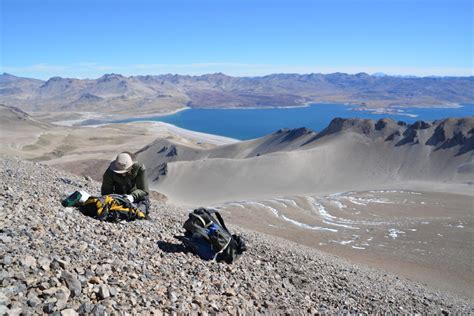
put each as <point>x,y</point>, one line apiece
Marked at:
<point>86,39</point>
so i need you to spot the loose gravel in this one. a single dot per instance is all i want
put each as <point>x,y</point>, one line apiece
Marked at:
<point>55,260</point>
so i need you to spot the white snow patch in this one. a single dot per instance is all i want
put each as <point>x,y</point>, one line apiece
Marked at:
<point>236,205</point>
<point>353,200</point>
<point>395,191</point>
<point>340,225</point>
<point>294,222</point>
<point>329,219</point>
<point>339,204</point>
<point>343,242</point>
<point>384,191</point>
<point>395,233</point>
<point>336,221</point>
<point>302,225</point>
<point>288,201</point>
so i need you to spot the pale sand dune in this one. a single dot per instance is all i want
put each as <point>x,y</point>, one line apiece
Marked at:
<point>350,162</point>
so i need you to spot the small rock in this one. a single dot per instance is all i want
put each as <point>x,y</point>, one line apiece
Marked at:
<point>99,310</point>
<point>230,292</point>
<point>28,261</point>
<point>43,286</point>
<point>4,300</point>
<point>62,263</point>
<point>113,291</point>
<point>7,260</point>
<point>48,308</point>
<point>62,295</point>
<point>79,270</point>
<point>172,296</point>
<point>212,297</point>
<point>48,292</point>
<point>5,239</point>
<point>83,246</point>
<point>30,281</point>
<point>69,312</point>
<point>72,283</point>
<point>44,263</point>
<point>103,292</point>
<point>14,311</point>
<point>85,308</point>
<point>94,280</point>
<point>33,301</point>
<point>4,310</point>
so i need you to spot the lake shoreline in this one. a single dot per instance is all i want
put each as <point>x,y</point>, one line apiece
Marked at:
<point>250,123</point>
<point>390,110</point>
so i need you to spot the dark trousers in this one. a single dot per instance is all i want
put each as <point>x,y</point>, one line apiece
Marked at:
<point>143,204</point>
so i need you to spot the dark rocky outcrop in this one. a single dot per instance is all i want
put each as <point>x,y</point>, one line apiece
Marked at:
<point>291,135</point>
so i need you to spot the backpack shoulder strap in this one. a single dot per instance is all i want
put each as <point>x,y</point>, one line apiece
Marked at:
<point>199,218</point>
<point>218,216</point>
<point>221,221</point>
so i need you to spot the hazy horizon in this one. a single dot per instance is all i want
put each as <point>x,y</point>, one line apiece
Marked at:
<point>376,74</point>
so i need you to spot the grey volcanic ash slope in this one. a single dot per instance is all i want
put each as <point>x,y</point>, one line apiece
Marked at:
<point>55,259</point>
<point>350,154</point>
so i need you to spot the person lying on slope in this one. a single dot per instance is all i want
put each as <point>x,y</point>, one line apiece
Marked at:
<point>127,177</point>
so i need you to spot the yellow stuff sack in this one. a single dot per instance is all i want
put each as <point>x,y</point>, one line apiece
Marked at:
<point>111,208</point>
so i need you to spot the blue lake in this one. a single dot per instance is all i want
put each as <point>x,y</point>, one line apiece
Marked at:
<point>252,123</point>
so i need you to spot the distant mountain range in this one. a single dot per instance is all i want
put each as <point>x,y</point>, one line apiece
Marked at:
<point>141,95</point>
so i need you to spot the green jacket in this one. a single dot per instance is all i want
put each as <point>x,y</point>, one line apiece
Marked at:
<point>134,182</point>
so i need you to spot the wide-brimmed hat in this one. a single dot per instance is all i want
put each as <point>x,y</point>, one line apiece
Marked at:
<point>122,163</point>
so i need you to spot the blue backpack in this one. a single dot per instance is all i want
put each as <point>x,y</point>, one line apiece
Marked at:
<point>207,236</point>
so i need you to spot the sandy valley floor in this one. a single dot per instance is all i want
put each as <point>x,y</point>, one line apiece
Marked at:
<point>425,236</point>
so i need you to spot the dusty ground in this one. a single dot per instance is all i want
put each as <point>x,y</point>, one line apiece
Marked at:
<point>423,236</point>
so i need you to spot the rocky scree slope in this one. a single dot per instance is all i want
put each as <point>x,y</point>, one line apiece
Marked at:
<point>55,260</point>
